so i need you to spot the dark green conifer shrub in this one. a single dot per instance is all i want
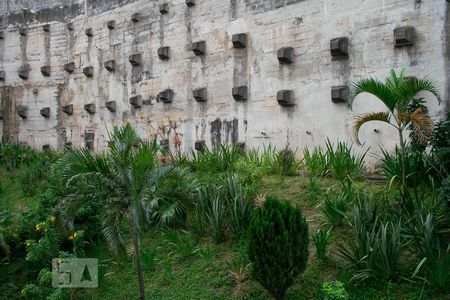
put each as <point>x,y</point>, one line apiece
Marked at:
<point>278,245</point>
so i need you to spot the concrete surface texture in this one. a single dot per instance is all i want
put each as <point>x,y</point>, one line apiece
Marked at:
<point>212,69</point>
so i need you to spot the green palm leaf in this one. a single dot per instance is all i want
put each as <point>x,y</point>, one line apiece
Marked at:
<point>360,120</point>
<point>376,88</point>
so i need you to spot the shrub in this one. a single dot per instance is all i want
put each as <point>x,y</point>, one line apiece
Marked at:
<point>32,176</point>
<point>445,191</point>
<point>256,164</point>
<point>13,155</point>
<point>321,239</point>
<point>333,291</point>
<point>173,195</point>
<point>418,169</point>
<point>440,144</point>
<point>278,245</point>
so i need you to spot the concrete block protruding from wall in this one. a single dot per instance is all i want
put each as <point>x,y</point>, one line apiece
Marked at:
<point>111,24</point>
<point>200,145</point>
<point>2,75</point>
<point>46,27</point>
<point>239,40</point>
<point>70,26</point>
<point>110,65</point>
<point>69,67</point>
<point>339,94</point>
<point>22,111</point>
<point>135,59</point>
<point>285,55</point>
<point>88,71</point>
<point>166,96</point>
<point>136,101</point>
<point>190,3</point>
<point>136,17</point>
<point>68,109</point>
<point>240,93</point>
<point>339,48</point>
<point>23,31</point>
<point>89,32</point>
<point>200,95</point>
<point>2,35</point>
<point>90,108</point>
<point>89,138</point>
<point>199,48</point>
<point>45,70</point>
<point>45,112</point>
<point>404,36</point>
<point>111,106</point>
<point>164,8</point>
<point>164,53</point>
<point>285,98</point>
<point>23,72</point>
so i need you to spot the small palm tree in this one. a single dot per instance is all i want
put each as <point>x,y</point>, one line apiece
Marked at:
<point>396,93</point>
<point>123,180</point>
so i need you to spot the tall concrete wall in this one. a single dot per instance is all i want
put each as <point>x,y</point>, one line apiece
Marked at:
<point>306,25</point>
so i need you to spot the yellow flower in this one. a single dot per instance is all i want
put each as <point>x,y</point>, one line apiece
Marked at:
<point>75,235</point>
<point>53,219</point>
<point>71,237</point>
<point>38,227</point>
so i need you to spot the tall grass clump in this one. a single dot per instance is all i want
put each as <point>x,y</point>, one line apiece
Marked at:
<point>221,159</point>
<point>321,240</point>
<point>221,208</point>
<point>338,161</point>
<point>315,162</point>
<point>335,207</point>
<point>343,163</point>
<point>375,250</point>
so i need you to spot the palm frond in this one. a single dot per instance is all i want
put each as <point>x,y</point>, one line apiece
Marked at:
<point>111,223</point>
<point>376,88</point>
<point>81,161</point>
<point>411,87</point>
<point>421,124</point>
<point>360,120</point>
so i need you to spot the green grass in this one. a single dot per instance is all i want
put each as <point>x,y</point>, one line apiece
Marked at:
<point>206,273</point>
<point>11,195</point>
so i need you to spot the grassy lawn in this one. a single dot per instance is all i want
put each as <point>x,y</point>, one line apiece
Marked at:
<point>207,273</point>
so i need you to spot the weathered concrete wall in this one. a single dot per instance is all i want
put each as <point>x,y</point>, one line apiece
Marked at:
<point>306,25</point>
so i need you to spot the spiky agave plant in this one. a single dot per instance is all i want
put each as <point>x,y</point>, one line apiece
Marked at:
<point>396,93</point>
<point>123,180</point>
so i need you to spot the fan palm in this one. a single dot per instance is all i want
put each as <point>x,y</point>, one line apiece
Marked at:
<point>123,180</point>
<point>396,93</point>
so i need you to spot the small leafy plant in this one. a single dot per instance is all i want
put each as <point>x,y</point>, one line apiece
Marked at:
<point>278,245</point>
<point>333,291</point>
<point>322,239</point>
